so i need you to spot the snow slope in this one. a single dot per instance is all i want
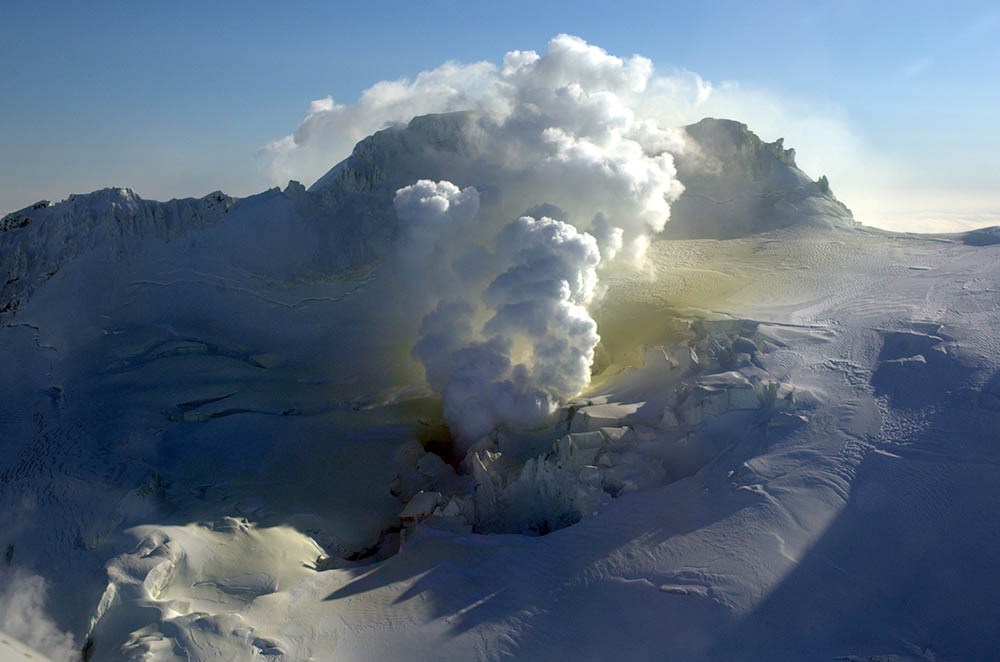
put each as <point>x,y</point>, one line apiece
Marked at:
<point>212,427</point>
<point>736,184</point>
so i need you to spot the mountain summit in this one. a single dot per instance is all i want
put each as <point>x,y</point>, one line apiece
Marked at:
<point>737,185</point>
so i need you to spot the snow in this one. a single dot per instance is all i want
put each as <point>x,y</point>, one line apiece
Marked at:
<point>735,184</point>
<point>216,440</point>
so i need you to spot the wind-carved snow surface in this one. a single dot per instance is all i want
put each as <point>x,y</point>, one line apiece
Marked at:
<point>223,421</point>
<point>838,454</point>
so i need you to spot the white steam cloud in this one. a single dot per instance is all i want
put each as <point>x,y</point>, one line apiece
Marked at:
<point>668,97</point>
<point>570,157</point>
<point>507,352</point>
<point>23,617</point>
<point>330,130</point>
<point>578,180</point>
<point>569,129</point>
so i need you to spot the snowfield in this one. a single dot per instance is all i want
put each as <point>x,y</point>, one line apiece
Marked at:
<point>218,444</point>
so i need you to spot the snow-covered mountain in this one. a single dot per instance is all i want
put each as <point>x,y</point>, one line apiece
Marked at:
<point>737,185</point>
<point>219,441</point>
<point>38,240</point>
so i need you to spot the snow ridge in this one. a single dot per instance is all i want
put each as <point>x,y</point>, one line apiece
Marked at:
<point>37,241</point>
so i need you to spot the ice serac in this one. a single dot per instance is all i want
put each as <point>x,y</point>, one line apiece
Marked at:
<point>737,185</point>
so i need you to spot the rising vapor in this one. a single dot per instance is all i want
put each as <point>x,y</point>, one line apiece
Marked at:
<point>669,97</point>
<point>23,596</point>
<point>576,179</point>
<point>550,170</point>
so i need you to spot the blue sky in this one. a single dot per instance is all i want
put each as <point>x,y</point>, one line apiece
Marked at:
<point>178,98</point>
